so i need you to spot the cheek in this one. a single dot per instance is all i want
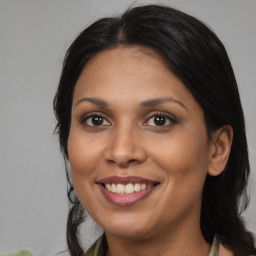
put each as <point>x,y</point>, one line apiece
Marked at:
<point>181,152</point>
<point>183,163</point>
<point>83,157</point>
<point>184,160</point>
<point>83,153</point>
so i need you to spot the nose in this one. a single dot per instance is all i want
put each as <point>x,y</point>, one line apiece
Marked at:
<point>125,149</point>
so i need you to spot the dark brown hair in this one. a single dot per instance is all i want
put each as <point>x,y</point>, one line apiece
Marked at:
<point>196,56</point>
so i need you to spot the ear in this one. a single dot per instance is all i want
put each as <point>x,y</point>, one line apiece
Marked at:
<point>221,142</point>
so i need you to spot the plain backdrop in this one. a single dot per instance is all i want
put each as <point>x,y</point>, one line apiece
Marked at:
<point>34,35</point>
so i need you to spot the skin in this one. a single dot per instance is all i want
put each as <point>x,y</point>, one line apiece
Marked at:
<point>129,142</point>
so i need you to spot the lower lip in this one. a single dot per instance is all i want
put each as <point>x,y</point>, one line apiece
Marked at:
<point>126,199</point>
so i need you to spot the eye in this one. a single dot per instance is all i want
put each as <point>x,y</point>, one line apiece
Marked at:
<point>160,119</point>
<point>95,120</point>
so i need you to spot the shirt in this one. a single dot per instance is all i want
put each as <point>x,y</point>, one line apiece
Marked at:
<point>19,253</point>
<point>99,248</point>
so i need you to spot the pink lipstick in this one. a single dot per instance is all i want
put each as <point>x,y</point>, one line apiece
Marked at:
<point>125,191</point>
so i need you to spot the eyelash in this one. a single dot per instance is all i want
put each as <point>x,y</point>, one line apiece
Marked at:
<point>164,115</point>
<point>91,115</point>
<point>150,116</point>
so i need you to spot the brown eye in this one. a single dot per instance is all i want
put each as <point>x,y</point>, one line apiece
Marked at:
<point>160,120</point>
<point>96,120</point>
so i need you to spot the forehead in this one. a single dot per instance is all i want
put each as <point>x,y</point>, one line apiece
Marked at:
<point>124,62</point>
<point>127,73</point>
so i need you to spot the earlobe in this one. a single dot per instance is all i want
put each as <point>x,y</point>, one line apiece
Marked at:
<point>220,150</point>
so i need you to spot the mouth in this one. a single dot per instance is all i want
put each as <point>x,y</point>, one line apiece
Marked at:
<point>126,190</point>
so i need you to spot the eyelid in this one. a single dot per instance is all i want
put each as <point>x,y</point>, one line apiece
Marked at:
<point>172,119</point>
<point>86,116</point>
<point>169,116</point>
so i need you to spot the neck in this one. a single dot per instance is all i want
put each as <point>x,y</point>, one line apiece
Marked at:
<point>188,241</point>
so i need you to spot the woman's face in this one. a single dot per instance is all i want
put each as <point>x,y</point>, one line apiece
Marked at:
<point>138,146</point>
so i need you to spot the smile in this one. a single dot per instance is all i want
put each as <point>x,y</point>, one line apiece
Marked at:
<point>126,191</point>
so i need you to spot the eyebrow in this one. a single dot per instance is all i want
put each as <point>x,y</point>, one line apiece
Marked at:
<point>95,101</point>
<point>159,101</point>
<point>147,103</point>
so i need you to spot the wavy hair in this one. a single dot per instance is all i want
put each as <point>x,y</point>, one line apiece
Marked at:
<point>195,55</point>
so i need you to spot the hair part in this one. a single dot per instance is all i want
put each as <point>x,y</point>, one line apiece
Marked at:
<point>195,55</point>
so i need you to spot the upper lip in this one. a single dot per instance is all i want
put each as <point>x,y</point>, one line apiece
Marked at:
<point>126,180</point>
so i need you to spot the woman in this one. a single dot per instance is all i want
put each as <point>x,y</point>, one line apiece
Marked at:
<point>150,120</point>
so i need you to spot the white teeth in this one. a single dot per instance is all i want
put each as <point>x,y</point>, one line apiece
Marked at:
<point>137,187</point>
<point>113,188</point>
<point>127,189</point>
<point>120,189</point>
<point>143,186</point>
<point>108,187</point>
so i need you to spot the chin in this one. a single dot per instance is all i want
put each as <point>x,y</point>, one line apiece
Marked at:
<point>131,228</point>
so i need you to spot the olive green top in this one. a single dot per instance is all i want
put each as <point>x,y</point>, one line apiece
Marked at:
<point>215,246</point>
<point>19,253</point>
<point>99,248</point>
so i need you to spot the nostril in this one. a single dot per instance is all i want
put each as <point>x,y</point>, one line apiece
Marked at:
<point>110,161</point>
<point>132,161</point>
<point>121,163</point>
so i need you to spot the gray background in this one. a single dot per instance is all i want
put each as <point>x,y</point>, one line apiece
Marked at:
<point>34,35</point>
